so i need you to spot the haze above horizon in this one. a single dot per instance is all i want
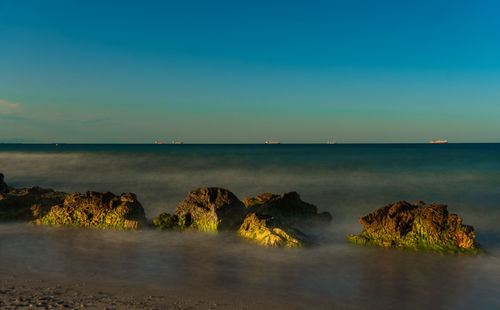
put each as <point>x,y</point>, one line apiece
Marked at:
<point>249,71</point>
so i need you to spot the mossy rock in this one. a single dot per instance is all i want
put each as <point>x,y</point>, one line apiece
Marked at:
<point>416,226</point>
<point>93,209</point>
<point>288,208</point>
<point>28,204</point>
<point>167,221</point>
<point>268,231</point>
<point>211,209</point>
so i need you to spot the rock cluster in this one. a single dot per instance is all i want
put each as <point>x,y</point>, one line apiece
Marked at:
<point>265,219</point>
<point>49,207</point>
<point>416,226</point>
<point>93,209</point>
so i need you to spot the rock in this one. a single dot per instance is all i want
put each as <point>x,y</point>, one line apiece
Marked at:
<point>269,231</point>
<point>272,216</point>
<point>416,226</point>
<point>95,209</point>
<point>4,188</point>
<point>170,221</point>
<point>28,203</point>
<point>287,207</point>
<point>211,209</point>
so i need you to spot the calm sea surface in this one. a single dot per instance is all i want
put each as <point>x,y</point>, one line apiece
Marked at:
<point>348,180</point>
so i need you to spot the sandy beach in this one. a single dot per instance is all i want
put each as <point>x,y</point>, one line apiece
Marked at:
<point>23,290</point>
<point>33,292</point>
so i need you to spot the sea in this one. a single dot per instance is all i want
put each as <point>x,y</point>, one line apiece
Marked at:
<point>347,180</point>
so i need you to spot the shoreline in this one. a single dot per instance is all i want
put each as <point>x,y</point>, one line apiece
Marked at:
<point>30,290</point>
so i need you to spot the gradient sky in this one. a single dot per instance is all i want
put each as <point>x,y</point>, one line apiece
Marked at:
<point>249,71</point>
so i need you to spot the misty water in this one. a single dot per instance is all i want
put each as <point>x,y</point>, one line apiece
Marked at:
<point>349,181</point>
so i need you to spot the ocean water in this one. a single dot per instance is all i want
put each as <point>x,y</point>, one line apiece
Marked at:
<point>348,180</point>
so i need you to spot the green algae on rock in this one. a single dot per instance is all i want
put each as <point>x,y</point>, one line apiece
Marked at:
<point>416,226</point>
<point>94,209</point>
<point>287,207</point>
<point>170,221</point>
<point>269,231</point>
<point>211,209</point>
<point>28,204</point>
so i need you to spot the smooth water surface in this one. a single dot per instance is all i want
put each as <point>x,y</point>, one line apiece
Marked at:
<point>346,180</point>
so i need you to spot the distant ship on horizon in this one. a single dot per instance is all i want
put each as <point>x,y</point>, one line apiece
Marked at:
<point>173,142</point>
<point>272,142</point>
<point>439,141</point>
<point>330,142</point>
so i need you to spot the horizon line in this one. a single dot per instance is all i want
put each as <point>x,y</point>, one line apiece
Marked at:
<point>226,143</point>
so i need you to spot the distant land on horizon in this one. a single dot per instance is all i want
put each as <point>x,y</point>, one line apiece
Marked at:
<point>18,141</point>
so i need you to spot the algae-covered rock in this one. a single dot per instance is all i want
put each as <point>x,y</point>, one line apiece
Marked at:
<point>268,222</point>
<point>27,204</point>
<point>95,209</point>
<point>269,231</point>
<point>416,226</point>
<point>211,209</point>
<point>287,207</point>
<point>170,221</point>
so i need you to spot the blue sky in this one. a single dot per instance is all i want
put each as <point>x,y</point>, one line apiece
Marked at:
<point>238,71</point>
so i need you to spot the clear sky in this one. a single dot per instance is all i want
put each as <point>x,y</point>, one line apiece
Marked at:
<point>249,71</point>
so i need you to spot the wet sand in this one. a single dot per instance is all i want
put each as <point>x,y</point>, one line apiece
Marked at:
<point>24,290</point>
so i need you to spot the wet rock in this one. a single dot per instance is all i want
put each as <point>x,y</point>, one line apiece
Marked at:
<point>4,188</point>
<point>416,226</point>
<point>287,207</point>
<point>269,231</point>
<point>170,221</point>
<point>96,209</point>
<point>211,209</point>
<point>27,204</point>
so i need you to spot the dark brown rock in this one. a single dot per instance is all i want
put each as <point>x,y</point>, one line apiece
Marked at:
<point>4,188</point>
<point>28,203</point>
<point>287,207</point>
<point>418,225</point>
<point>211,209</point>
